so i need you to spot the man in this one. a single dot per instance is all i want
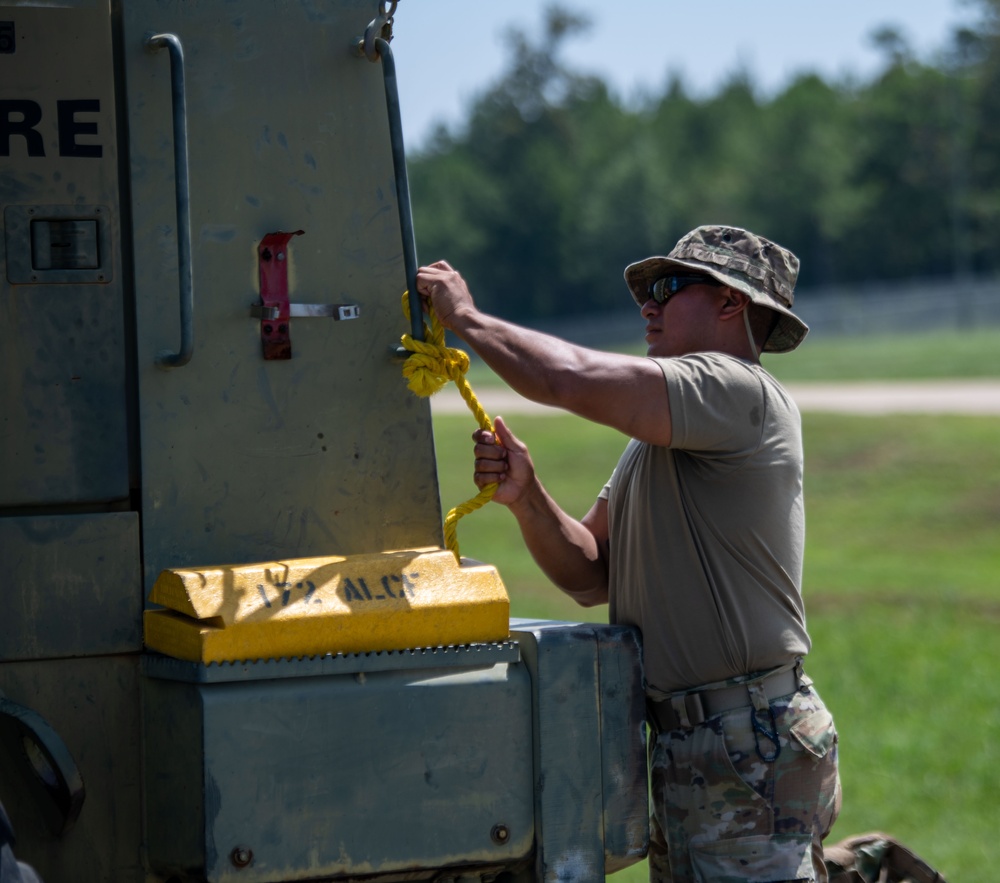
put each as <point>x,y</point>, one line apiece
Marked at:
<point>696,539</point>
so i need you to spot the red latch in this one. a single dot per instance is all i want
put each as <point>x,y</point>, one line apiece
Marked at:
<point>272,260</point>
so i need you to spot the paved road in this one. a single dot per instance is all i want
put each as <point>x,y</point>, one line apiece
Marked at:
<point>883,397</point>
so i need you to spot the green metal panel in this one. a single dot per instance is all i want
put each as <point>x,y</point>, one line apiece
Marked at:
<point>71,585</point>
<point>623,747</point>
<point>376,772</point>
<point>245,459</point>
<point>174,786</point>
<point>589,710</point>
<point>93,704</point>
<point>62,363</point>
<point>379,764</point>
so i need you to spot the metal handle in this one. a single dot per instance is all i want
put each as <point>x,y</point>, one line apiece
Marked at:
<point>182,191</point>
<point>402,186</point>
<point>50,771</point>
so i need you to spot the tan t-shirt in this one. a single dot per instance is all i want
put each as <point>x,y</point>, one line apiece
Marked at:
<point>706,536</point>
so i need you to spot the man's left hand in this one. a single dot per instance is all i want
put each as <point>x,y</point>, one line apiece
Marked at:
<point>442,287</point>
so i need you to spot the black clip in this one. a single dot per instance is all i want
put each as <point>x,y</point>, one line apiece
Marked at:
<point>772,735</point>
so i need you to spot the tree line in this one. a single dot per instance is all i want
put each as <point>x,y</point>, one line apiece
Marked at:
<point>552,185</point>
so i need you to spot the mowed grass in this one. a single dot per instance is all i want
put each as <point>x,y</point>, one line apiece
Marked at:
<point>940,355</point>
<point>902,589</point>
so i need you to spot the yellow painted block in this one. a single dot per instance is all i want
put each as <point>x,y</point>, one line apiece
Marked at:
<point>311,606</point>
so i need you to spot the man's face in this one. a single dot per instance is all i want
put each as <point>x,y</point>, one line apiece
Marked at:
<point>684,323</point>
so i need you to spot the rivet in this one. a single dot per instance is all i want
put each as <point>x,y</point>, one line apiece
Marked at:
<point>241,856</point>
<point>500,834</point>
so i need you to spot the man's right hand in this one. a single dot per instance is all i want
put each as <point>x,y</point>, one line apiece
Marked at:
<point>572,553</point>
<point>507,463</point>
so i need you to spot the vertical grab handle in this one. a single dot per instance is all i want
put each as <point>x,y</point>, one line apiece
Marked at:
<point>383,52</point>
<point>182,192</point>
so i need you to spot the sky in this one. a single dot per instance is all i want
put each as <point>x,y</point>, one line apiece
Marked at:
<point>447,51</point>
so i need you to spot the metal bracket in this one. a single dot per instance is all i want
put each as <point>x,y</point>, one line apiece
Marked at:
<point>379,28</point>
<point>272,263</point>
<point>274,310</point>
<point>338,312</point>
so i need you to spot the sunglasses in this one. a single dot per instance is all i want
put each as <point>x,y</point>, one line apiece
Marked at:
<point>666,287</point>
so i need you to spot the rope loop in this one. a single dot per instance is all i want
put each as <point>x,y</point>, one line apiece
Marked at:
<point>428,369</point>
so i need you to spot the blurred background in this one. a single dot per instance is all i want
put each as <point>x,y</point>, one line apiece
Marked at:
<point>549,146</point>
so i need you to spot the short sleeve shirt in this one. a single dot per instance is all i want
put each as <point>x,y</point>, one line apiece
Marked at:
<point>706,535</point>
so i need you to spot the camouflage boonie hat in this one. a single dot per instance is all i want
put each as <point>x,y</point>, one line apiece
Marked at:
<point>762,270</point>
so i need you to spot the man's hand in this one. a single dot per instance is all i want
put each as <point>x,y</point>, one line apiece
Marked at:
<point>573,554</point>
<point>442,287</point>
<point>507,463</point>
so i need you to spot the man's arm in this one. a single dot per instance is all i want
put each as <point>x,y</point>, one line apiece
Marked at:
<point>608,388</point>
<point>571,553</point>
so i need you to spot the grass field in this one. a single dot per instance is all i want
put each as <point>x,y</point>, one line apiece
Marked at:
<point>902,558</point>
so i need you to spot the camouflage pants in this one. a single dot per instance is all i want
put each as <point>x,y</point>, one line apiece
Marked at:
<point>722,814</point>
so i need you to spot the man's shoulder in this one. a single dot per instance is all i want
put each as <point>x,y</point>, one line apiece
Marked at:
<point>708,359</point>
<point>715,368</point>
<point>709,390</point>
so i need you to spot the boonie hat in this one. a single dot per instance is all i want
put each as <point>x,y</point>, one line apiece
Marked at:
<point>763,271</point>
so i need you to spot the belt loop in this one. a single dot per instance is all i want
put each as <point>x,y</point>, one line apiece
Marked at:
<point>679,706</point>
<point>696,708</point>
<point>758,698</point>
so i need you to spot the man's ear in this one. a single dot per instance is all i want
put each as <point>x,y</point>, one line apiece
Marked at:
<point>735,303</point>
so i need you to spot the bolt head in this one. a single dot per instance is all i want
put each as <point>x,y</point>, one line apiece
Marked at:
<point>241,856</point>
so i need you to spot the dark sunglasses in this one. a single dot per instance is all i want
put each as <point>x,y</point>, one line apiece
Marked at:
<point>666,287</point>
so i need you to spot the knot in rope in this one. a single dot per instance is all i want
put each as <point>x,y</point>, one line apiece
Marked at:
<point>428,369</point>
<point>432,365</point>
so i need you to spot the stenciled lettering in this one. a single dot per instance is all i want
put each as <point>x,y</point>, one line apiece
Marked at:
<point>394,587</point>
<point>70,127</point>
<point>308,587</point>
<point>29,115</point>
<point>21,117</point>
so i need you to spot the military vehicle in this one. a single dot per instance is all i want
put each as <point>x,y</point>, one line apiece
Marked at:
<point>233,646</point>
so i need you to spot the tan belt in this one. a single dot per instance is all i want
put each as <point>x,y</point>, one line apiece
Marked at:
<point>686,710</point>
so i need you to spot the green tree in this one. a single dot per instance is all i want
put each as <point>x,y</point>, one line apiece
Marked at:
<point>505,200</point>
<point>978,67</point>
<point>553,185</point>
<point>906,140</point>
<point>804,188</point>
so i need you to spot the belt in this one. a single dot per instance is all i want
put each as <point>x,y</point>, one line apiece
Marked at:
<point>686,710</point>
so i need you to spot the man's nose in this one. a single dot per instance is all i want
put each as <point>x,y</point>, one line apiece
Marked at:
<point>650,308</point>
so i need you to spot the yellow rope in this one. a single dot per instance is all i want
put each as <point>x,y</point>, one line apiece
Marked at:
<point>427,370</point>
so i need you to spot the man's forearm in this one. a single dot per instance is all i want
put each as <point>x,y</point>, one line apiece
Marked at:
<point>564,548</point>
<point>532,363</point>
